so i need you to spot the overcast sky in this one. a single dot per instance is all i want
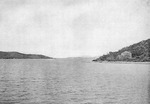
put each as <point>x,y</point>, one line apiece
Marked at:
<point>67,28</point>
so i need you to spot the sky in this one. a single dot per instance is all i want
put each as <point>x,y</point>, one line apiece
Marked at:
<point>72,28</point>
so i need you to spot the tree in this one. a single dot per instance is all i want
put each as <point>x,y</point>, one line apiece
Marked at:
<point>126,55</point>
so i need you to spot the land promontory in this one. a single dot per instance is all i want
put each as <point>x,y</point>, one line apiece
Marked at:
<point>138,52</point>
<point>17,55</point>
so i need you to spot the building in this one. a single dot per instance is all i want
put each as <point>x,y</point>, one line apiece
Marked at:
<point>125,55</point>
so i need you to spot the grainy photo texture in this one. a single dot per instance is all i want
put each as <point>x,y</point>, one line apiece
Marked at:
<point>75,52</point>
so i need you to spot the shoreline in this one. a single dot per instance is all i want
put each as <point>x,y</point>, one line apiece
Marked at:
<point>122,62</point>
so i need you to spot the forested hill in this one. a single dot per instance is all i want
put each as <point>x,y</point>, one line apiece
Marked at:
<point>17,55</point>
<point>139,52</point>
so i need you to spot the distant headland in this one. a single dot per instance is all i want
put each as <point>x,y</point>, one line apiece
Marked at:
<point>138,52</point>
<point>17,55</point>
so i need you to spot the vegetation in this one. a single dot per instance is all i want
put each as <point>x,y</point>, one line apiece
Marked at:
<point>139,52</point>
<point>17,55</point>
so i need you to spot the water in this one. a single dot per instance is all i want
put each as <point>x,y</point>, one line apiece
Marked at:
<point>73,81</point>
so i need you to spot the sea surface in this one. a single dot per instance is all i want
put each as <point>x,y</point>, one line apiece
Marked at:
<point>73,81</point>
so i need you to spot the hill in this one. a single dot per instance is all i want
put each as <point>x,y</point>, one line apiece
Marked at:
<point>17,55</point>
<point>138,52</point>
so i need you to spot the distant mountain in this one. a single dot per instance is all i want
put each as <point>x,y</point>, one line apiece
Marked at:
<point>139,52</point>
<point>17,55</point>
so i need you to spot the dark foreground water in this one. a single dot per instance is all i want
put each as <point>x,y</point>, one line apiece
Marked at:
<point>73,81</point>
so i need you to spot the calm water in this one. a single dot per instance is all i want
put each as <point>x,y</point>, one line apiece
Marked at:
<point>73,81</point>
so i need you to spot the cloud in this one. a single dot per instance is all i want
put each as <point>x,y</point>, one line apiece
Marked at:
<point>74,2</point>
<point>62,28</point>
<point>115,20</point>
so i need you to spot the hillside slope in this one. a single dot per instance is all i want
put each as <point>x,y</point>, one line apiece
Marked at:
<point>17,55</point>
<point>139,52</point>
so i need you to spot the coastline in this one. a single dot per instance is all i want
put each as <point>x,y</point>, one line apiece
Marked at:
<point>122,62</point>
